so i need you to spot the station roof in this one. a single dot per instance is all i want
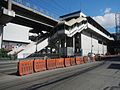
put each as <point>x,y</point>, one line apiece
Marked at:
<point>77,13</point>
<point>89,19</point>
<point>97,25</point>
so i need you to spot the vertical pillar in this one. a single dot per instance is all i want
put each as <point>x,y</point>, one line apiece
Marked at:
<point>46,50</point>
<point>91,43</point>
<point>103,48</point>
<point>1,35</point>
<point>51,50</point>
<point>10,5</point>
<point>74,45</point>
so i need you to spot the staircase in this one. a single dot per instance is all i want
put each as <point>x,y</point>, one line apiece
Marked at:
<point>19,49</point>
<point>38,46</point>
<point>32,49</point>
<point>75,30</point>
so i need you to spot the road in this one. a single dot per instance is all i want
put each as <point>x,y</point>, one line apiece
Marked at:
<point>103,77</point>
<point>8,67</point>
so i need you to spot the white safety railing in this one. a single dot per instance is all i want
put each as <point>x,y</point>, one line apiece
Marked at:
<point>16,50</point>
<point>32,49</point>
<point>19,49</point>
<point>76,29</point>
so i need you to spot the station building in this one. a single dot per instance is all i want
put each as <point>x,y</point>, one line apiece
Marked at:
<point>75,35</point>
<point>78,34</point>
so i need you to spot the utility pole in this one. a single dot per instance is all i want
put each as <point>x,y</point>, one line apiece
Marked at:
<point>117,22</point>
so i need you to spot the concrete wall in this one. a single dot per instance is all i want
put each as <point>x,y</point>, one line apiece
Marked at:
<point>89,44</point>
<point>15,32</point>
<point>1,33</point>
<point>85,44</point>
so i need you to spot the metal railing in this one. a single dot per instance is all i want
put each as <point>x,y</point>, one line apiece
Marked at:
<point>34,7</point>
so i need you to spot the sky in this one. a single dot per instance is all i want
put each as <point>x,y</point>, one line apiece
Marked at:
<point>103,11</point>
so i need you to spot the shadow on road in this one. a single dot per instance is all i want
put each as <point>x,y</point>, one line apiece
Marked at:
<point>15,74</point>
<point>116,58</point>
<point>114,66</point>
<point>112,88</point>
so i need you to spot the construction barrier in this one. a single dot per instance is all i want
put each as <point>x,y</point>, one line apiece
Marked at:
<point>97,58</point>
<point>39,65</point>
<point>78,60</point>
<point>67,62</point>
<point>25,67</point>
<point>81,59</point>
<point>29,66</point>
<point>59,62</point>
<point>93,58</point>
<point>72,61</point>
<point>85,59</point>
<point>51,64</point>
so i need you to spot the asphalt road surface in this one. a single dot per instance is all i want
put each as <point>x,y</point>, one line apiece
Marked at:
<point>103,77</point>
<point>8,67</point>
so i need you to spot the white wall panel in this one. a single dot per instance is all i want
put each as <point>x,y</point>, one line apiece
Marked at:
<point>15,32</point>
<point>85,44</point>
<point>95,45</point>
<point>100,49</point>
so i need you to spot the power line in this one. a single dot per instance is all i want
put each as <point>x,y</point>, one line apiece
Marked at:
<point>54,6</point>
<point>58,5</point>
<point>45,9</point>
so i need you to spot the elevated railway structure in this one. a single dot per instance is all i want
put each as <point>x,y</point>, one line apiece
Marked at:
<point>74,34</point>
<point>18,13</point>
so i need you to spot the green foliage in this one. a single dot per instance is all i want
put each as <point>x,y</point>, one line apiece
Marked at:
<point>4,55</point>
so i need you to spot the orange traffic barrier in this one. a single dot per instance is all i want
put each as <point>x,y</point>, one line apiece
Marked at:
<point>39,65</point>
<point>72,61</point>
<point>93,58</point>
<point>59,62</point>
<point>67,62</point>
<point>85,59</point>
<point>78,60</point>
<point>51,64</point>
<point>81,60</point>
<point>25,67</point>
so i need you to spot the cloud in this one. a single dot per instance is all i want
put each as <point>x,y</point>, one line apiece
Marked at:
<point>107,20</point>
<point>107,10</point>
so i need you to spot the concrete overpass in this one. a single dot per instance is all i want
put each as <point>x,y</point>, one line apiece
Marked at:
<point>11,11</point>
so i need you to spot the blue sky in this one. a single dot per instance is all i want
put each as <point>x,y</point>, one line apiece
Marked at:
<point>89,7</point>
<point>101,10</point>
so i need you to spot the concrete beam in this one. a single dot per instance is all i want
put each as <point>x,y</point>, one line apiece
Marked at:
<point>6,16</point>
<point>1,35</point>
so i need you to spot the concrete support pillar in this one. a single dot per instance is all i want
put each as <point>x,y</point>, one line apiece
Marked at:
<point>46,50</point>
<point>102,48</point>
<point>65,42</point>
<point>91,43</point>
<point>1,35</point>
<point>10,5</point>
<point>74,45</point>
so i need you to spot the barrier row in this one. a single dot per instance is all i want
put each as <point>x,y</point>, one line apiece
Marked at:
<point>29,66</point>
